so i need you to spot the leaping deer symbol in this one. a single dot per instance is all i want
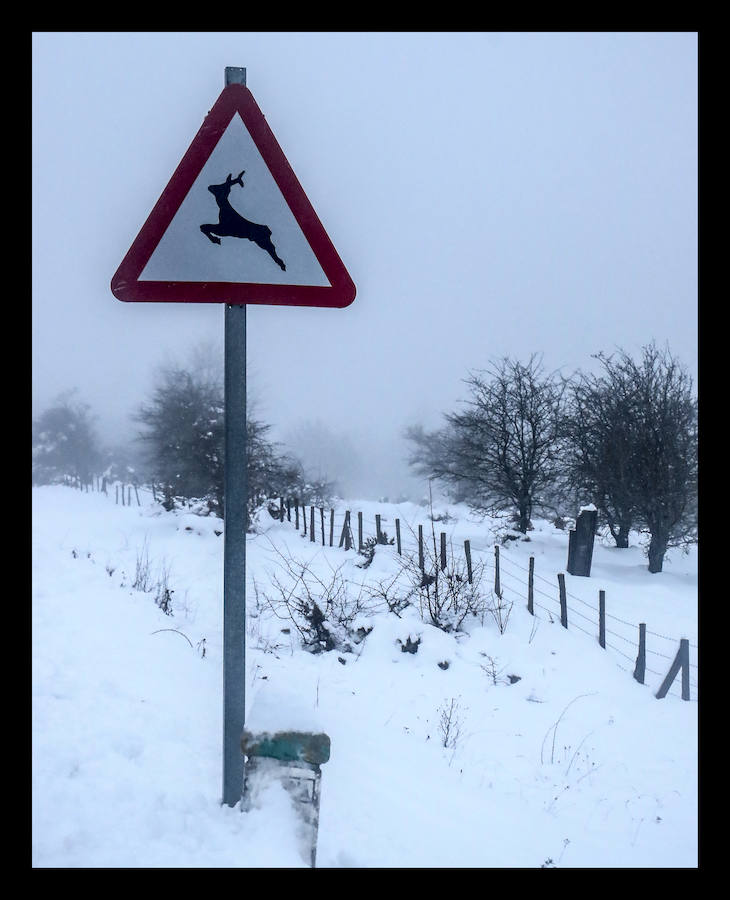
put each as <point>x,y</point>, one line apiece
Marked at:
<point>231,224</point>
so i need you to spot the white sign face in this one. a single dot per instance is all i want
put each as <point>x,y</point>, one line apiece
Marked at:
<point>233,225</point>
<point>185,253</point>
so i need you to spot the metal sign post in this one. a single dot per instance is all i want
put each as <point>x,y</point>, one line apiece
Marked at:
<point>234,550</point>
<point>235,490</point>
<point>196,246</point>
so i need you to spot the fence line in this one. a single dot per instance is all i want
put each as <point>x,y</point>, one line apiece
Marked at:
<point>597,610</point>
<point>554,613</point>
<point>559,596</point>
<point>500,565</point>
<point>608,615</point>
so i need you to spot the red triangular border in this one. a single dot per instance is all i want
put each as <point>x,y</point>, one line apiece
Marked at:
<point>125,284</point>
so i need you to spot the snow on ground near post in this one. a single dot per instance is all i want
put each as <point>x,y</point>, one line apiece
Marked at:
<point>574,765</point>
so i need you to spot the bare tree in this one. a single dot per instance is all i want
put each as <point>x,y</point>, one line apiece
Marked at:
<point>632,432</point>
<point>664,461</point>
<point>432,456</point>
<point>599,430</point>
<point>501,452</point>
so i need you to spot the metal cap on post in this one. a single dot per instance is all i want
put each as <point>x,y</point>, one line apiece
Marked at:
<point>235,491</point>
<point>235,75</point>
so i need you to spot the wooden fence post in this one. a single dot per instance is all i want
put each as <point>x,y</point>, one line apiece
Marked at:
<point>296,513</point>
<point>321,516</point>
<point>684,653</point>
<point>602,618</point>
<point>281,509</point>
<point>154,492</point>
<point>346,536</point>
<point>129,495</point>
<point>467,553</point>
<point>359,532</point>
<point>497,585</point>
<point>397,536</point>
<point>531,587</point>
<point>443,551</point>
<point>116,494</point>
<point>421,563</point>
<point>348,532</point>
<point>640,667</point>
<point>681,661</point>
<point>304,519</point>
<point>136,495</point>
<point>311,524</point>
<point>332,526</point>
<point>288,509</point>
<point>377,528</point>
<point>563,601</point>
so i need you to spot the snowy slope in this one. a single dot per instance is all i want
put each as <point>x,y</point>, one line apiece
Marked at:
<point>575,764</point>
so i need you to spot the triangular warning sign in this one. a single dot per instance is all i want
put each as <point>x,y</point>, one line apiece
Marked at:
<point>234,225</point>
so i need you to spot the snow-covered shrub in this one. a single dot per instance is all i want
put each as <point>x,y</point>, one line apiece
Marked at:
<point>142,569</point>
<point>445,597</point>
<point>393,593</point>
<point>163,591</point>
<point>450,724</point>
<point>147,582</point>
<point>324,609</point>
<point>492,671</point>
<point>499,609</point>
<point>367,551</point>
<point>368,548</point>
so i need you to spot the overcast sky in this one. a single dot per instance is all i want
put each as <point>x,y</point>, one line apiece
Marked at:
<point>490,194</point>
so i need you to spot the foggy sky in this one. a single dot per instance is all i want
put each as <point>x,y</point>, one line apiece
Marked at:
<point>490,194</point>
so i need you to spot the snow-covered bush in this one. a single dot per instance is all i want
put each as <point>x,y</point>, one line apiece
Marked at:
<point>368,548</point>
<point>445,597</point>
<point>325,609</point>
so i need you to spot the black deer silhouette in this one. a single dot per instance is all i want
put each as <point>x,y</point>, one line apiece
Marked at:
<point>231,224</point>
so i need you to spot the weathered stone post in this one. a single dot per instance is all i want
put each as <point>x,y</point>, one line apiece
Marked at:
<point>580,542</point>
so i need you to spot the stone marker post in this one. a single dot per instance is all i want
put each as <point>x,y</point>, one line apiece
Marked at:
<point>580,543</point>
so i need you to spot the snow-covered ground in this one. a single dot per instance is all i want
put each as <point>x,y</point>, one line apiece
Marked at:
<point>570,762</point>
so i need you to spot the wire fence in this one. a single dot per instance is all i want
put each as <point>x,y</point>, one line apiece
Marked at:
<point>627,642</point>
<point>577,607</point>
<point>518,583</point>
<point>125,493</point>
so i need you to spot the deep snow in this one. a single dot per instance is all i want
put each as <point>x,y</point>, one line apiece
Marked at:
<point>575,764</point>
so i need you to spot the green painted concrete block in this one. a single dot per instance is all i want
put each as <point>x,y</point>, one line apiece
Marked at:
<point>288,746</point>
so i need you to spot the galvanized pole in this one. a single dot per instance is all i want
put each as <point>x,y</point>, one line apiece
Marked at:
<point>235,490</point>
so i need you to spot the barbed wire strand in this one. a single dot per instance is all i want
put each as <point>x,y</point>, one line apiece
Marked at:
<point>580,600</point>
<point>621,653</point>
